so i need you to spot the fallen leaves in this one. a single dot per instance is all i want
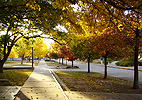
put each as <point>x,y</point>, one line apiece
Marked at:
<point>94,82</point>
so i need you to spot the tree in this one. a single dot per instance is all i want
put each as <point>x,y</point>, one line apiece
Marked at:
<point>52,52</point>
<point>40,48</point>
<point>18,17</point>
<point>13,53</point>
<point>115,12</point>
<point>23,49</point>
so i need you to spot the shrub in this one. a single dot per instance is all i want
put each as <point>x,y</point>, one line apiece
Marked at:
<point>68,67</point>
<point>76,67</point>
<point>50,60</point>
<point>125,62</point>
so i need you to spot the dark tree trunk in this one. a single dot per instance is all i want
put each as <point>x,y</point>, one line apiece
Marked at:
<point>62,61</point>
<point>105,58</point>
<point>22,59</point>
<point>136,80</point>
<point>1,67</point>
<point>72,63</point>
<point>88,63</point>
<point>59,60</point>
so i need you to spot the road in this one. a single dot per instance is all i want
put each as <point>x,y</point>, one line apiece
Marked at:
<point>115,72</point>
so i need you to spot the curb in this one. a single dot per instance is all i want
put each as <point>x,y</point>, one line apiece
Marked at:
<point>59,84</point>
<point>64,87</point>
<point>118,67</point>
<point>7,68</point>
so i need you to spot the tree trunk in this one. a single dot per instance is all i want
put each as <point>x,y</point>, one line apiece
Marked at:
<point>136,79</point>
<point>1,67</point>
<point>88,63</point>
<point>22,59</point>
<point>62,61</point>
<point>66,62</point>
<point>22,62</point>
<point>72,63</point>
<point>105,58</point>
<point>59,60</point>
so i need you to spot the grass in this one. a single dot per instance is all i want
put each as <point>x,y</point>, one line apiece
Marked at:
<point>16,77</point>
<point>94,82</point>
<point>54,64</point>
<point>18,63</point>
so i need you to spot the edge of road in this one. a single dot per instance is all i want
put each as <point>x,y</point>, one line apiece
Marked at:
<point>115,67</point>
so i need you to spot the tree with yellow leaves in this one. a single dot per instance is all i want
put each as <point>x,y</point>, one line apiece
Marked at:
<point>13,53</point>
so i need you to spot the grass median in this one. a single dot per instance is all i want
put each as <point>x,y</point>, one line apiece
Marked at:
<point>18,63</point>
<point>16,77</point>
<point>54,64</point>
<point>94,82</point>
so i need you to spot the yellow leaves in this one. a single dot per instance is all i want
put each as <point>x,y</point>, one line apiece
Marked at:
<point>32,5</point>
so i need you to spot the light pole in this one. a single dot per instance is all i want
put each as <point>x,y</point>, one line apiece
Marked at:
<point>32,56</point>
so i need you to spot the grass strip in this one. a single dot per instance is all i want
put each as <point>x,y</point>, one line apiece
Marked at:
<point>94,82</point>
<point>54,64</point>
<point>16,77</point>
<point>18,63</point>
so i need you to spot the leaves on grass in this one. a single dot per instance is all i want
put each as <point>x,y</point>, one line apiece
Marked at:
<point>94,82</point>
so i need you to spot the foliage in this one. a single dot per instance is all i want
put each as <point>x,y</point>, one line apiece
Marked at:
<point>126,62</point>
<point>16,77</point>
<point>13,53</point>
<point>52,51</point>
<point>40,48</point>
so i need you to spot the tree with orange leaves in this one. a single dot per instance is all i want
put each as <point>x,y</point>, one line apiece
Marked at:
<point>111,40</point>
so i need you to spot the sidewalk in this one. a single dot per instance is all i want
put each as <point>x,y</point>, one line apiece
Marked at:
<point>40,86</point>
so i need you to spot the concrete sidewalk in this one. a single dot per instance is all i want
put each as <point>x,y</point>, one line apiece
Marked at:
<point>41,85</point>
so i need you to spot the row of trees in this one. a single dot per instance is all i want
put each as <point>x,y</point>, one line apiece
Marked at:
<point>23,49</point>
<point>114,29</point>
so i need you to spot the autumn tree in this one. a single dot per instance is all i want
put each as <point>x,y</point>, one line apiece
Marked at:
<point>18,17</point>
<point>13,53</point>
<point>101,13</point>
<point>24,49</point>
<point>40,48</point>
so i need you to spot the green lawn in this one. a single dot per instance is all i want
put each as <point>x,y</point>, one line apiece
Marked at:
<point>16,77</point>
<point>18,63</point>
<point>94,82</point>
<point>54,64</point>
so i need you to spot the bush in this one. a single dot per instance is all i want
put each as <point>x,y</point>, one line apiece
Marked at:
<point>76,67</point>
<point>50,60</point>
<point>108,60</point>
<point>125,62</point>
<point>68,67</point>
<point>140,63</point>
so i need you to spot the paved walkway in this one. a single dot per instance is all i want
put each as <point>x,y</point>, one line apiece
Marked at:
<point>40,86</point>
